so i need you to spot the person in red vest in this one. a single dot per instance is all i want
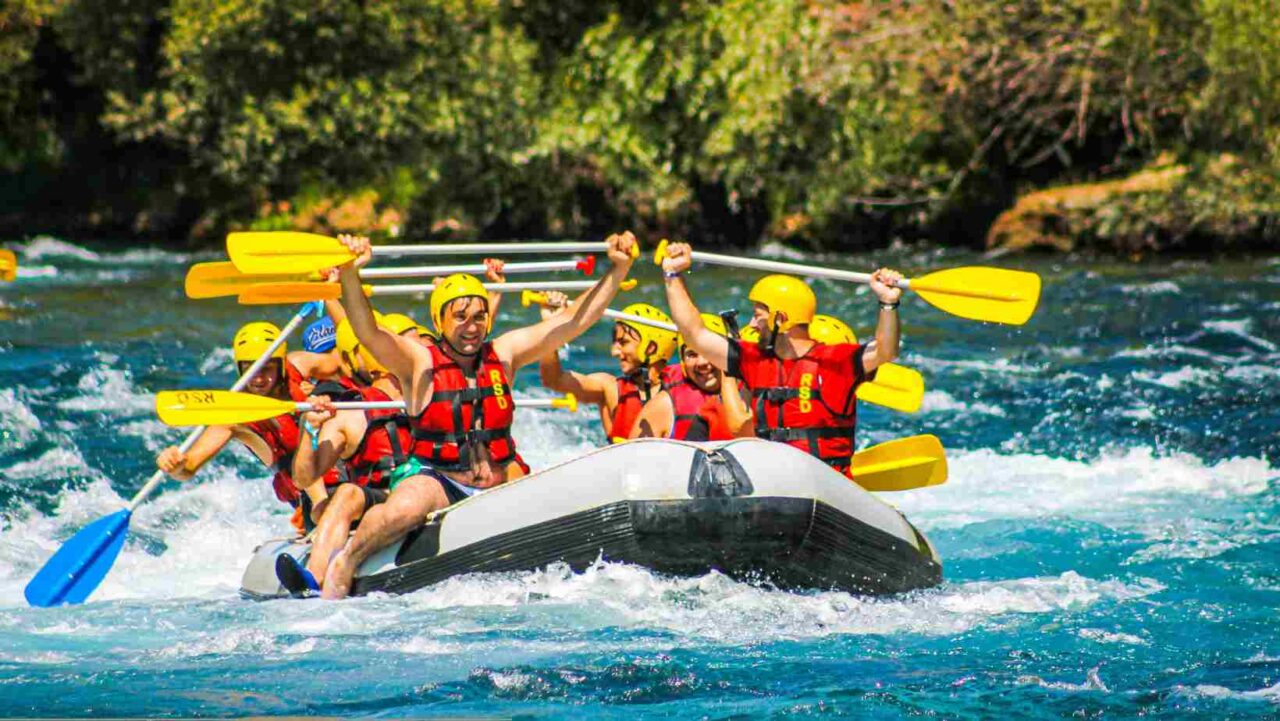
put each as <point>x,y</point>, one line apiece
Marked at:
<point>370,445</point>
<point>803,391</point>
<point>692,405</point>
<point>274,440</point>
<point>458,395</point>
<point>642,352</point>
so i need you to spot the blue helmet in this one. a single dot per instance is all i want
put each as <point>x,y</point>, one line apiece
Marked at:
<point>320,336</point>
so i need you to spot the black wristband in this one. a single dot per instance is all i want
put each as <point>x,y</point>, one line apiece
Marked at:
<point>889,306</point>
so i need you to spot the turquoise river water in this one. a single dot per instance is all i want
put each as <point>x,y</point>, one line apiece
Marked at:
<point>1110,531</point>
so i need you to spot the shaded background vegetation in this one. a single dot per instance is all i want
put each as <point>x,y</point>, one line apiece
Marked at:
<point>1129,125</point>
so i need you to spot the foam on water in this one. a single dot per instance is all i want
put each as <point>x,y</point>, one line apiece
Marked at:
<point>1160,287</point>
<point>944,402</point>
<point>18,425</point>
<point>111,390</point>
<point>1241,328</point>
<point>207,531</point>
<point>986,485</point>
<point>1176,379</point>
<point>1268,694</point>
<point>45,246</point>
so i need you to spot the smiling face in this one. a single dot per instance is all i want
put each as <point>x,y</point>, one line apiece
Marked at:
<point>465,324</point>
<point>699,371</point>
<point>626,348</point>
<point>759,317</point>
<point>264,382</point>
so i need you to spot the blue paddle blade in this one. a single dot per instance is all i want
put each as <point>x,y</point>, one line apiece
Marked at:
<point>80,565</point>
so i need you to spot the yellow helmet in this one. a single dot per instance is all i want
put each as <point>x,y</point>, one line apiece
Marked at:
<point>458,285</point>
<point>830,331</point>
<point>785,294</point>
<point>664,340</point>
<point>749,334</point>
<point>350,348</point>
<point>399,323</point>
<point>253,339</point>
<point>424,332</point>
<point>714,323</point>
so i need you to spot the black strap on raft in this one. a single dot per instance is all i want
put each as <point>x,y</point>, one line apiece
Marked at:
<point>730,318</point>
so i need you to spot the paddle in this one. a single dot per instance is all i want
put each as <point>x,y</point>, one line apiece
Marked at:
<point>216,280</point>
<point>901,465</point>
<point>8,265</point>
<point>277,293</point>
<point>78,567</point>
<point>226,408</point>
<point>290,252</point>
<point>531,297</point>
<point>895,386</point>
<point>997,295</point>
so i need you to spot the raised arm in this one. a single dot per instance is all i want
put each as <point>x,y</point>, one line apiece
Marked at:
<point>396,353</point>
<point>588,387</point>
<point>709,344</point>
<point>885,347</point>
<point>493,273</point>
<point>526,345</point>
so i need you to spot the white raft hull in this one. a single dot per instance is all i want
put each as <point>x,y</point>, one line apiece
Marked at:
<point>754,510</point>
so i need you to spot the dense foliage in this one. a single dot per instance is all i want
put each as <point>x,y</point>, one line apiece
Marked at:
<point>824,123</point>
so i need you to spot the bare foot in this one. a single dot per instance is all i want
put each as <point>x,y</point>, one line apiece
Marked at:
<point>337,581</point>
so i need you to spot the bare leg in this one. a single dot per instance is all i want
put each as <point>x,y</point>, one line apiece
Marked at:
<point>384,524</point>
<point>346,505</point>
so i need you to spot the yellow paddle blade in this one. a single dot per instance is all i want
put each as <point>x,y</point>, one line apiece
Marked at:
<point>896,387</point>
<point>217,408</point>
<point>901,465</point>
<point>8,266</point>
<point>275,253</point>
<point>217,280</point>
<point>997,295</point>
<point>294,292</point>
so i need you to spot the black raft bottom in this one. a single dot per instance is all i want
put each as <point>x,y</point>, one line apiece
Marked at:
<point>789,542</point>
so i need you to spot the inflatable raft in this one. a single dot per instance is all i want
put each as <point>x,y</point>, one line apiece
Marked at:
<point>753,510</point>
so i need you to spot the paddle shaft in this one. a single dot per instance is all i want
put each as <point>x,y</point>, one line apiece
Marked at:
<point>414,288</point>
<point>399,405</point>
<point>541,299</point>
<point>774,266</point>
<point>158,476</point>
<point>619,315</point>
<point>429,271</point>
<point>497,249</point>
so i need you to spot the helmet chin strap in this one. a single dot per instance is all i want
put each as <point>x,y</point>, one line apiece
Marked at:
<point>771,345</point>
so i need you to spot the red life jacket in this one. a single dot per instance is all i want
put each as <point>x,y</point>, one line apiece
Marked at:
<point>294,378</point>
<point>806,402</point>
<point>459,416</point>
<point>627,411</point>
<point>697,415</point>
<point>282,435</point>
<point>671,375</point>
<point>385,445</point>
